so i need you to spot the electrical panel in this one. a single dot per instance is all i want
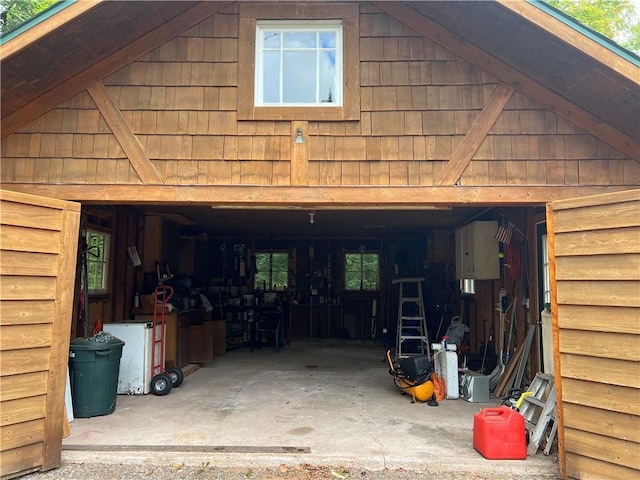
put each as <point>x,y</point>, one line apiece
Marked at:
<point>477,251</point>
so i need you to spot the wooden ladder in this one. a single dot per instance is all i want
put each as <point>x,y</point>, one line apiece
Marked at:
<point>412,322</point>
<point>539,411</point>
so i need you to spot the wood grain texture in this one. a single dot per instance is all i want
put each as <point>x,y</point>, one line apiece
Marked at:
<point>613,424</point>
<point>604,371</point>
<point>580,466</point>
<point>465,150</point>
<point>127,140</point>
<point>605,448</point>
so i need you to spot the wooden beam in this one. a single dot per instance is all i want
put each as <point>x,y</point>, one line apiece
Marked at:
<point>45,27</point>
<point>478,131</point>
<point>299,153</point>
<point>128,141</point>
<point>106,66</point>
<point>307,197</point>
<point>519,81</point>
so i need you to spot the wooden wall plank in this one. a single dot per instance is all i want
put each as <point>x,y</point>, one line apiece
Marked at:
<point>607,449</point>
<point>21,459</point>
<point>603,422</point>
<point>621,346</point>
<point>13,387</point>
<point>597,217</point>
<point>22,434</point>
<point>598,242</point>
<point>579,466</point>
<point>605,371</point>
<point>299,154</point>
<point>611,293</point>
<point>16,287</point>
<point>29,239</point>
<point>25,215</point>
<point>15,362</point>
<point>16,337</point>
<point>613,397</point>
<point>600,318</point>
<point>600,267</point>
<point>28,263</point>
<point>22,410</point>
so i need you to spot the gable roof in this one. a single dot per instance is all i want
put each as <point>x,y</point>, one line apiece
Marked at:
<point>579,76</point>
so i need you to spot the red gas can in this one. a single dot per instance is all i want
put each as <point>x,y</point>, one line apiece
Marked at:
<point>499,434</point>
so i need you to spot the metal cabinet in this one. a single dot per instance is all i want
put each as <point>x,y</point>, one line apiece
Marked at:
<point>477,251</point>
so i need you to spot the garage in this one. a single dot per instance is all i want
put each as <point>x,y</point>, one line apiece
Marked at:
<point>427,150</point>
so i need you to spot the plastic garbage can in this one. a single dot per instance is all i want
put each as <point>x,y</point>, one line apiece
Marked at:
<point>94,366</point>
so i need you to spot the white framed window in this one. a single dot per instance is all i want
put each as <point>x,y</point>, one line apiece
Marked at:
<point>98,251</point>
<point>299,63</point>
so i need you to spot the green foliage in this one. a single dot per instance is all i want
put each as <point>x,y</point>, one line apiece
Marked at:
<point>615,19</point>
<point>272,270</point>
<point>17,12</point>
<point>361,271</point>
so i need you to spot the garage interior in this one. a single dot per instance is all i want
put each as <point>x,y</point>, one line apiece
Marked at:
<point>325,395</point>
<point>215,255</point>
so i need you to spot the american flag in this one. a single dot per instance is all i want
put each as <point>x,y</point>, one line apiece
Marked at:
<point>504,232</point>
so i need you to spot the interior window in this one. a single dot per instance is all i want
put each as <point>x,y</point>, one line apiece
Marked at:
<point>97,261</point>
<point>272,270</point>
<point>361,271</point>
<point>546,280</point>
<point>299,64</point>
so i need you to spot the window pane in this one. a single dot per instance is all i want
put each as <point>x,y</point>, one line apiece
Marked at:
<point>299,40</point>
<point>327,77</point>
<point>271,39</point>
<point>361,271</point>
<point>272,270</point>
<point>271,75</point>
<point>327,40</point>
<point>97,261</point>
<point>299,74</point>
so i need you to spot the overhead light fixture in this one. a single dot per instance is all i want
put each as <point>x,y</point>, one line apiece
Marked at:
<point>312,217</point>
<point>299,137</point>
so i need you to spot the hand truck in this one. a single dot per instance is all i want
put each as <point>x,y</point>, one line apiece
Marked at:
<point>162,380</point>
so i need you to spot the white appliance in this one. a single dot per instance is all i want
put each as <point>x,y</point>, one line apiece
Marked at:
<point>135,364</point>
<point>446,365</point>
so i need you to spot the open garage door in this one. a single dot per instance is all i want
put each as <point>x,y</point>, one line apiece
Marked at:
<point>37,267</point>
<point>595,258</point>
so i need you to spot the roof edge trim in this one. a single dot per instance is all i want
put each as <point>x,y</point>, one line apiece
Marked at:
<point>571,22</point>
<point>42,16</point>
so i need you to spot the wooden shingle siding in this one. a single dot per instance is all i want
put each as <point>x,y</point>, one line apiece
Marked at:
<point>417,105</point>
<point>38,242</point>
<point>595,258</point>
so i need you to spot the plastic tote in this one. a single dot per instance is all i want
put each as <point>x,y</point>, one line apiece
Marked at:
<point>94,368</point>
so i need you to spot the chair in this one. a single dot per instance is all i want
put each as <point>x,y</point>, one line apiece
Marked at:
<point>268,329</point>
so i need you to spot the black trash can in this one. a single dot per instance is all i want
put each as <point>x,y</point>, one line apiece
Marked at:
<point>93,370</point>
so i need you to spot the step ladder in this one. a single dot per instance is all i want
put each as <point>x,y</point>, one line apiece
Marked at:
<point>412,323</point>
<point>540,412</point>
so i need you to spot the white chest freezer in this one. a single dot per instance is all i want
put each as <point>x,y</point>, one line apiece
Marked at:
<point>135,364</point>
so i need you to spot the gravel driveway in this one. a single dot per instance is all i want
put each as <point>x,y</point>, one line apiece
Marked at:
<point>86,471</point>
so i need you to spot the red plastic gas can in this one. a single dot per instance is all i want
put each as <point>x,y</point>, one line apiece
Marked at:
<point>499,434</point>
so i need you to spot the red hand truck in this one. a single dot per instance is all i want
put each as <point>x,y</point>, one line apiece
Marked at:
<point>162,380</point>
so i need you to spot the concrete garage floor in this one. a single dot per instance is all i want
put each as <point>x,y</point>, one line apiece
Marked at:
<point>322,404</point>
